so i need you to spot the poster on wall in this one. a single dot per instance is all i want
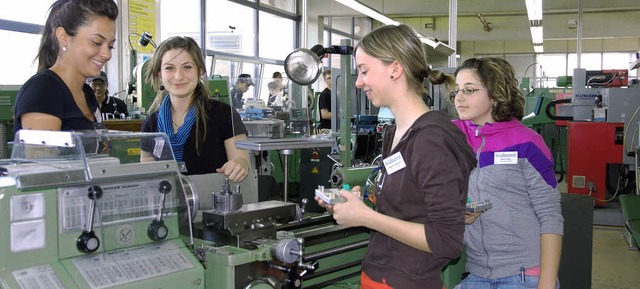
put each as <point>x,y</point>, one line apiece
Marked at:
<point>142,18</point>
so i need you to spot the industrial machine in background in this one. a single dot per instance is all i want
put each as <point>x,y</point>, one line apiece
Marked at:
<point>600,117</point>
<point>554,136</point>
<point>78,210</point>
<point>219,88</point>
<point>304,66</point>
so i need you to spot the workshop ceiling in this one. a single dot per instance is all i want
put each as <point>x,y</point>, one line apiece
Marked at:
<point>508,18</point>
<point>489,7</point>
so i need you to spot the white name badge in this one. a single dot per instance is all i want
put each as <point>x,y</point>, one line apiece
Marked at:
<point>157,149</point>
<point>505,158</point>
<point>394,163</point>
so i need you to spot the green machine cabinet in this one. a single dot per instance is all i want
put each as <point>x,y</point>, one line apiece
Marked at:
<point>74,220</point>
<point>219,88</point>
<point>7,101</point>
<point>144,91</point>
<point>554,136</point>
<point>29,242</point>
<point>38,247</point>
<point>630,207</point>
<point>452,272</point>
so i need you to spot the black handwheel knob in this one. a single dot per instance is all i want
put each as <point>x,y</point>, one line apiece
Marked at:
<point>88,242</point>
<point>164,187</point>
<point>157,231</point>
<point>95,192</point>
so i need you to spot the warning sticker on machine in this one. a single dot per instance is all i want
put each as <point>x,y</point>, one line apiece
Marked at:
<point>129,265</point>
<point>38,277</point>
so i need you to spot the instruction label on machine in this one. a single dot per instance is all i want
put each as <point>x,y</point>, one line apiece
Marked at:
<point>129,265</point>
<point>38,277</point>
<point>119,203</point>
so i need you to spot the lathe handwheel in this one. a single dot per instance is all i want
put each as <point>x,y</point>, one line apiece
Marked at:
<point>88,242</point>
<point>157,231</point>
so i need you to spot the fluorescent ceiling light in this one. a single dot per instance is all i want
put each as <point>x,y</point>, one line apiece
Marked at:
<point>355,5</point>
<point>536,35</point>
<point>437,46</point>
<point>534,12</point>
<point>427,41</point>
<point>538,48</point>
<point>534,9</point>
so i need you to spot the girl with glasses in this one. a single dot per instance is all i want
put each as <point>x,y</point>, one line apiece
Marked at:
<point>517,242</point>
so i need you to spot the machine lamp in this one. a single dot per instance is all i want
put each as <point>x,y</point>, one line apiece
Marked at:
<point>304,66</point>
<point>145,39</point>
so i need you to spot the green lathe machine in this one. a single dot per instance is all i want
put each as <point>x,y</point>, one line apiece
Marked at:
<point>77,211</point>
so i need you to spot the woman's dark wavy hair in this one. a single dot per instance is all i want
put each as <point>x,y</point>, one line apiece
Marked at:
<point>498,76</point>
<point>70,15</point>
<point>399,42</point>
<point>200,97</point>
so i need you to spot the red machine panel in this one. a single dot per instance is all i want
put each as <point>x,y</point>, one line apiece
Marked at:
<point>591,146</point>
<point>608,78</point>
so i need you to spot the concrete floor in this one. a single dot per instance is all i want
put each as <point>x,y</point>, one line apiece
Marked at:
<point>613,265</point>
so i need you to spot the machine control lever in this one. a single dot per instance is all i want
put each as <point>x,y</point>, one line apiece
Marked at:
<point>157,230</point>
<point>302,209</point>
<point>337,163</point>
<point>88,242</point>
<point>308,267</point>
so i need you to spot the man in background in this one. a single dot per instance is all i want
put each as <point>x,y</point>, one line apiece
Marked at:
<point>275,95</point>
<point>110,106</point>
<point>241,86</point>
<point>324,102</point>
<point>279,81</point>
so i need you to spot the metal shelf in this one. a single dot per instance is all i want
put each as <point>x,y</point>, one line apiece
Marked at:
<point>265,144</point>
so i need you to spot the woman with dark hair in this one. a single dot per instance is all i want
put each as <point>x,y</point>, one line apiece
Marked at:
<point>76,43</point>
<point>517,242</point>
<point>202,131</point>
<point>417,225</point>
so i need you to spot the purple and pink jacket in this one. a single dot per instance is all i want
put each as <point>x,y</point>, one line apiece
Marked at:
<point>522,190</point>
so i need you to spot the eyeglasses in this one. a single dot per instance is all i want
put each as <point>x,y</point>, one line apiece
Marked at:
<point>98,84</point>
<point>465,91</point>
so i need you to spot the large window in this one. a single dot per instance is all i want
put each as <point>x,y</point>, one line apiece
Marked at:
<point>34,12</point>
<point>231,28</point>
<point>284,5</point>
<point>619,61</point>
<point>551,66</point>
<point>20,48</point>
<point>588,61</point>
<point>276,36</point>
<point>252,37</point>
<point>17,61</point>
<point>186,24</point>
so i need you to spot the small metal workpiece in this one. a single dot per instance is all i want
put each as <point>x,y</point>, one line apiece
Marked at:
<point>329,196</point>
